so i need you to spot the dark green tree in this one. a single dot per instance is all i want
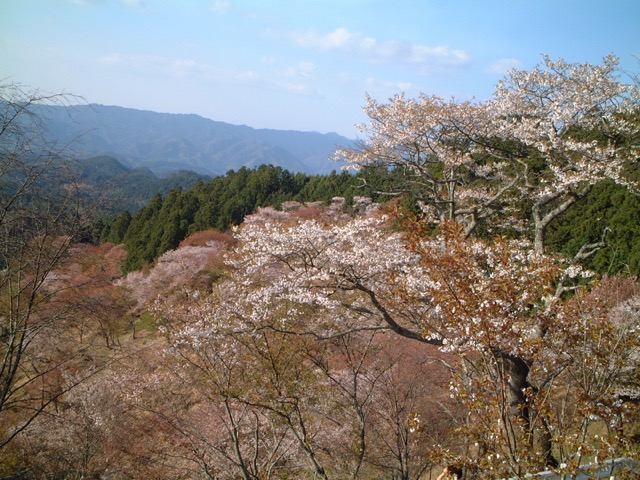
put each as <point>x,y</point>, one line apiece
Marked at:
<point>139,233</point>
<point>115,231</point>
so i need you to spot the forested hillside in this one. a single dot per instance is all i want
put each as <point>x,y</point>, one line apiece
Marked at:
<point>224,202</point>
<point>117,188</point>
<point>610,214</point>
<point>467,297</point>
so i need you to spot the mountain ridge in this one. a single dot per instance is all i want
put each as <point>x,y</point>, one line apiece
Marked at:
<point>168,142</point>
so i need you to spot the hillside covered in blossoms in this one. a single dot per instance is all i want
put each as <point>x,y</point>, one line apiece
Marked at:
<point>467,295</point>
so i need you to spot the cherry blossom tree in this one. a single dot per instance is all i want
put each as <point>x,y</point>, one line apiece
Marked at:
<point>80,437</point>
<point>88,302</point>
<point>296,388</point>
<point>254,380</point>
<point>413,418</point>
<point>497,304</point>
<point>193,265</point>
<point>435,144</point>
<point>575,118</point>
<point>543,140</point>
<point>532,151</point>
<point>596,350</point>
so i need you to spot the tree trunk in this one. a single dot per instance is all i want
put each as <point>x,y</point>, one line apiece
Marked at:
<point>522,411</point>
<point>543,217</point>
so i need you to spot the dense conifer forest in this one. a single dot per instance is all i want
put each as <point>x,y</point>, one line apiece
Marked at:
<point>224,202</point>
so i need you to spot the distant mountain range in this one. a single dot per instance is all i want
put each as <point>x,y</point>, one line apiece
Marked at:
<point>166,143</point>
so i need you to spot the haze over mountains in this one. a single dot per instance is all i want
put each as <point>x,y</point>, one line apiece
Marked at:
<point>166,143</point>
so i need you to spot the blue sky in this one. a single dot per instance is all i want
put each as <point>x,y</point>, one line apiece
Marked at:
<point>298,64</point>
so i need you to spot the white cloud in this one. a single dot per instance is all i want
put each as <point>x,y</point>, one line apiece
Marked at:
<point>441,54</point>
<point>203,74</point>
<point>158,65</point>
<point>502,66</point>
<point>302,69</point>
<point>111,59</point>
<point>369,43</point>
<point>220,6</point>
<point>386,88</point>
<point>134,4</point>
<point>297,88</point>
<point>372,82</point>
<point>341,39</point>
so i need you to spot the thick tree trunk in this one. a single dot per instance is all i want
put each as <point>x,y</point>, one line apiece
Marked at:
<point>522,410</point>
<point>517,371</point>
